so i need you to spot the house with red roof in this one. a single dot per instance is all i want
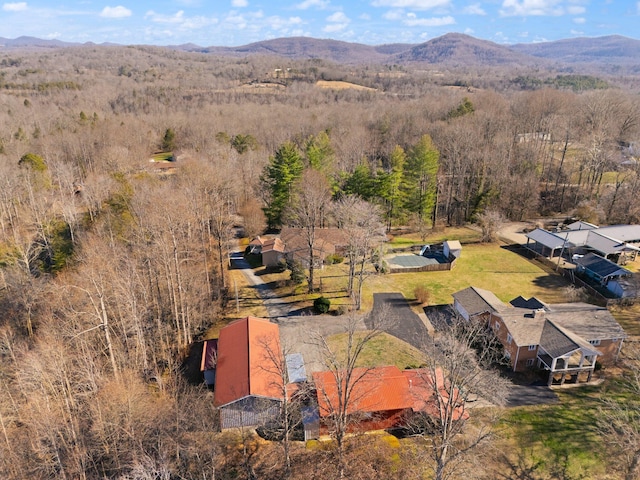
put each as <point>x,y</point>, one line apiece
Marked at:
<point>384,397</point>
<point>248,389</point>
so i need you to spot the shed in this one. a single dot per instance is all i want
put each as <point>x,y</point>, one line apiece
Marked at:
<point>452,248</point>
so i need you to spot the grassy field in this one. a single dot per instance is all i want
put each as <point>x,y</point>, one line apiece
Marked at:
<point>381,350</point>
<point>629,318</point>
<point>558,437</point>
<point>487,266</point>
<point>463,234</point>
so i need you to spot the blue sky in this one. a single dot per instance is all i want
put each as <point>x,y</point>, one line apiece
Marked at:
<point>374,22</point>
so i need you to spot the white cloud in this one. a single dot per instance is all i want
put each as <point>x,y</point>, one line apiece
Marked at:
<point>579,20</point>
<point>307,4</point>
<point>335,27</point>
<point>576,32</point>
<point>526,8</point>
<point>414,4</point>
<point>576,10</point>
<point>14,7</point>
<point>475,9</point>
<point>365,16</point>
<point>393,15</point>
<point>338,17</point>
<point>413,21</point>
<point>338,22</point>
<point>178,17</point>
<point>115,12</point>
<point>469,31</point>
<point>283,24</point>
<point>239,3</point>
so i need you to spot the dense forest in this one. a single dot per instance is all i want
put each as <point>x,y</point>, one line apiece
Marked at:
<point>110,267</point>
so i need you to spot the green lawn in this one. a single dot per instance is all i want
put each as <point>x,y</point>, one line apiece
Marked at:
<point>463,234</point>
<point>381,350</point>
<point>562,438</point>
<point>163,157</point>
<point>559,437</point>
<point>628,318</point>
<point>487,266</point>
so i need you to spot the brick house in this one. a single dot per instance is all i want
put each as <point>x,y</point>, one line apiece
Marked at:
<point>565,339</point>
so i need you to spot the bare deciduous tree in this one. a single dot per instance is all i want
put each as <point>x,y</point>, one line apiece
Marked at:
<point>365,230</point>
<point>307,210</point>
<point>618,419</point>
<point>345,375</point>
<point>461,360</point>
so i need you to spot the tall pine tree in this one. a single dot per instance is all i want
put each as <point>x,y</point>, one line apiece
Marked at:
<point>420,179</point>
<point>284,168</point>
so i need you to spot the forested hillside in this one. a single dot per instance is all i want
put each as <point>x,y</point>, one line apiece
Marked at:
<point>111,265</point>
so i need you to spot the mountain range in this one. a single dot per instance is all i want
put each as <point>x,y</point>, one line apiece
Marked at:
<point>452,49</point>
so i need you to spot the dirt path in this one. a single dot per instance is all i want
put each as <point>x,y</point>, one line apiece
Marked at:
<point>513,232</point>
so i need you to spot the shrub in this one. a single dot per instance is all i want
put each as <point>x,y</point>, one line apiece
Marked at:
<point>342,310</point>
<point>422,294</point>
<point>321,304</point>
<point>297,273</point>
<point>334,258</point>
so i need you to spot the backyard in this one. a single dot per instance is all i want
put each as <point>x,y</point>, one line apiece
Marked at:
<point>488,266</point>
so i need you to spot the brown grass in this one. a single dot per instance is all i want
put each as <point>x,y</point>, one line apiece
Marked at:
<point>339,85</point>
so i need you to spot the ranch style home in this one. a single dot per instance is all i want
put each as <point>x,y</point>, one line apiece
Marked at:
<point>564,339</point>
<point>249,387</point>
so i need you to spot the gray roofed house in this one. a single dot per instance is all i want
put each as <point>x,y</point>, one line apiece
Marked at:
<point>474,301</point>
<point>566,339</point>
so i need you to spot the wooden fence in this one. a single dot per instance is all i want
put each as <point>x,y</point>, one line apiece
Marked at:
<point>436,267</point>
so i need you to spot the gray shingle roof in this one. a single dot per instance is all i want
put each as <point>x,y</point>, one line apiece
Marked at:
<point>476,301</point>
<point>590,322</point>
<point>558,341</point>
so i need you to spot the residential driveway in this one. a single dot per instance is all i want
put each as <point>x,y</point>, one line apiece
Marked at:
<point>513,232</point>
<point>275,306</point>
<point>304,334</point>
<point>393,311</point>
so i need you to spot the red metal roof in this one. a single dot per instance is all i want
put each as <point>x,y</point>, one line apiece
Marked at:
<point>245,366</point>
<point>386,388</point>
<point>378,389</point>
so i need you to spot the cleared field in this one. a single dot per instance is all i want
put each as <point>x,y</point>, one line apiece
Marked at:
<point>339,85</point>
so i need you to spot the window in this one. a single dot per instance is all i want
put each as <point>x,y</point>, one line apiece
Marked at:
<point>532,347</point>
<point>509,338</point>
<point>496,326</point>
<point>595,343</point>
<point>507,354</point>
<point>530,362</point>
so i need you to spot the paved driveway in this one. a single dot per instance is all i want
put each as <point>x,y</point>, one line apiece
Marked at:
<point>398,318</point>
<point>274,304</point>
